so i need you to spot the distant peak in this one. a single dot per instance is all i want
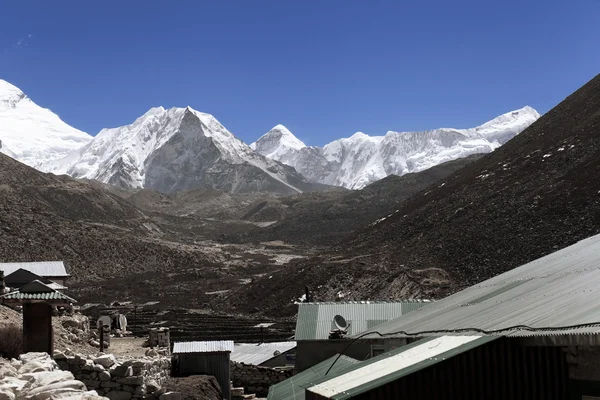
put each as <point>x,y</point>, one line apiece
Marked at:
<point>284,136</point>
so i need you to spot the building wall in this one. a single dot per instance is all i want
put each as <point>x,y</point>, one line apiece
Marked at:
<point>215,364</point>
<point>499,370</point>
<point>584,371</point>
<point>312,352</point>
<point>37,328</point>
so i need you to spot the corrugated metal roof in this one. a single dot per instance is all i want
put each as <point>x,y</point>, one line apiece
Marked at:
<point>38,296</point>
<point>41,268</point>
<point>293,388</point>
<point>315,320</point>
<point>251,353</point>
<point>216,346</point>
<point>393,365</point>
<point>56,286</point>
<point>559,292</point>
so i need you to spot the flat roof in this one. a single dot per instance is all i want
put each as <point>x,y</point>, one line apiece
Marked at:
<point>216,346</point>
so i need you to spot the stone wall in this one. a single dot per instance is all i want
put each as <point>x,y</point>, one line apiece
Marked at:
<point>256,379</point>
<point>117,379</point>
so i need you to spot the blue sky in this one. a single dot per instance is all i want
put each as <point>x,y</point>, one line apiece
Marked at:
<point>325,69</point>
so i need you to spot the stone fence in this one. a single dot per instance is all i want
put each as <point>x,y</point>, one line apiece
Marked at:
<point>117,380</point>
<point>255,379</point>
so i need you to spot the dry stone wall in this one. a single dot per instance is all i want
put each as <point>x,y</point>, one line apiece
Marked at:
<point>122,379</point>
<point>255,379</point>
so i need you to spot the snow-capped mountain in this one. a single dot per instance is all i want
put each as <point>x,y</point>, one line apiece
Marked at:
<point>32,134</point>
<point>361,159</point>
<point>178,149</point>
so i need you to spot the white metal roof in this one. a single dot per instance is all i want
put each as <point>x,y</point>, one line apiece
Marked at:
<point>217,346</point>
<point>256,354</point>
<point>558,293</point>
<point>385,365</point>
<point>41,268</point>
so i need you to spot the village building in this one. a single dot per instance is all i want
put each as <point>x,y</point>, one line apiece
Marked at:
<point>322,328</point>
<point>530,333</point>
<point>205,358</point>
<point>37,300</point>
<point>272,354</point>
<point>293,388</point>
<point>53,273</point>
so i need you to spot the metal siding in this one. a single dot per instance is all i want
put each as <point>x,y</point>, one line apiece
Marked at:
<point>497,370</point>
<point>551,292</point>
<point>42,268</point>
<point>315,320</point>
<point>203,347</point>
<point>215,364</point>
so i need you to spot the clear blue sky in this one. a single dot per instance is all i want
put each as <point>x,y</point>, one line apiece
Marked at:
<point>325,69</point>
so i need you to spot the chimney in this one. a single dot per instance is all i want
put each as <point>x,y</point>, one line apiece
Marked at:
<point>307,294</point>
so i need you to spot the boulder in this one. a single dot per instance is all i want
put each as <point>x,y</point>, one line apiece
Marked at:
<point>59,355</point>
<point>45,378</point>
<point>38,392</point>
<point>121,371</point>
<point>99,368</point>
<point>152,386</point>
<point>34,366</point>
<point>170,396</point>
<point>6,394</point>
<point>132,380</point>
<point>104,376</point>
<point>118,395</point>
<point>151,353</point>
<point>7,370</point>
<point>107,360</point>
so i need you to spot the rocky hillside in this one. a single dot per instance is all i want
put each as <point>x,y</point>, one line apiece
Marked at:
<point>323,219</point>
<point>534,195</point>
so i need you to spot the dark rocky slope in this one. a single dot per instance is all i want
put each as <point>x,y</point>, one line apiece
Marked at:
<point>538,193</point>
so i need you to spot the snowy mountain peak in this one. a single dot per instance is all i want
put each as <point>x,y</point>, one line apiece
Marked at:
<point>178,149</point>
<point>32,134</point>
<point>361,159</point>
<point>279,140</point>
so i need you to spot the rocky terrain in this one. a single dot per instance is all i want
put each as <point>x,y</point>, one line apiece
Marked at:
<point>534,195</point>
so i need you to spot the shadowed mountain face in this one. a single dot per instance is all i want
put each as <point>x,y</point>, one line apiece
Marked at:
<point>534,195</point>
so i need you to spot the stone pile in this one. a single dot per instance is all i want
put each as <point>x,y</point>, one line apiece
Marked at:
<point>35,376</point>
<point>255,379</point>
<point>118,379</point>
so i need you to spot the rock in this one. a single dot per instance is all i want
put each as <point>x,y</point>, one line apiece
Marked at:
<point>98,368</point>
<point>7,370</point>
<point>106,361</point>
<point>121,371</point>
<point>59,355</point>
<point>129,389</point>
<point>118,395</point>
<point>152,386</point>
<point>6,394</point>
<point>104,376</point>
<point>88,365</point>
<point>151,353</point>
<point>70,384</point>
<point>45,378</point>
<point>34,366</point>
<point>132,380</point>
<point>91,383</point>
<point>111,385</point>
<point>170,396</point>
<point>139,390</point>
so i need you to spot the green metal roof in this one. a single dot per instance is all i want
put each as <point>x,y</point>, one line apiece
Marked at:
<point>293,388</point>
<point>315,320</point>
<point>388,367</point>
<point>37,296</point>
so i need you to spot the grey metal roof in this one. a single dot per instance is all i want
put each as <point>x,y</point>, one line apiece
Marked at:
<point>251,353</point>
<point>217,346</point>
<point>377,371</point>
<point>556,293</point>
<point>293,388</point>
<point>56,286</point>
<point>41,268</point>
<point>315,320</point>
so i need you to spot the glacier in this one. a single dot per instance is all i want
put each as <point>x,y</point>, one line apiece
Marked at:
<point>32,134</point>
<point>361,159</point>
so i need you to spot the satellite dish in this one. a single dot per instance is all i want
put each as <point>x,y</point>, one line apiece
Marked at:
<point>276,353</point>
<point>340,322</point>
